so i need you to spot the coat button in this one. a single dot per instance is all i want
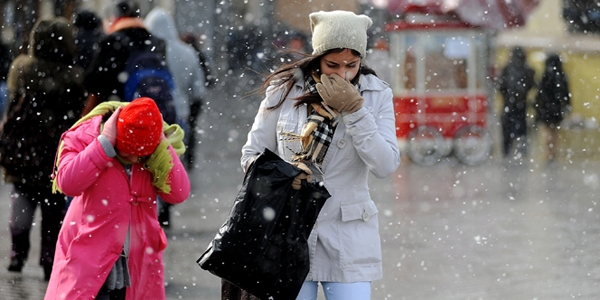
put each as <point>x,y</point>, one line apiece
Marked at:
<point>341,143</point>
<point>366,216</point>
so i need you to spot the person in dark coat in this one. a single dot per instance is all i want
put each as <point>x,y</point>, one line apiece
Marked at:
<point>89,33</point>
<point>125,35</point>
<point>46,96</point>
<point>516,80</point>
<point>553,101</point>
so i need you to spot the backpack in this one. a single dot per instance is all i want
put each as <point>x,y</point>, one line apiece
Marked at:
<point>150,77</point>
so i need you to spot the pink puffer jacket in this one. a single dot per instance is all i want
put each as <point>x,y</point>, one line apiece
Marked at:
<point>106,205</point>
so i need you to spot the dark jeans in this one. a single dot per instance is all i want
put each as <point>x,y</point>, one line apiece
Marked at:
<point>24,199</point>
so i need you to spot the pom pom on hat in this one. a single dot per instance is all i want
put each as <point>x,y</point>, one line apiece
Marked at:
<point>139,127</point>
<point>339,29</point>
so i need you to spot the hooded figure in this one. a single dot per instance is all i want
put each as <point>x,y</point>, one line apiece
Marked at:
<point>182,60</point>
<point>553,102</point>
<point>516,80</point>
<point>554,99</point>
<point>46,96</point>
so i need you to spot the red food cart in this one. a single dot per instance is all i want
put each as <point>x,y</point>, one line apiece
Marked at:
<point>439,86</point>
<point>440,53</point>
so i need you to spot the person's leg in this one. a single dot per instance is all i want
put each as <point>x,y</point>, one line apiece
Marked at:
<point>552,140</point>
<point>508,141</point>
<point>522,145</point>
<point>308,291</point>
<point>195,109</point>
<point>119,294</point>
<point>347,291</point>
<point>106,294</point>
<point>506,137</point>
<point>164,213</point>
<point>53,212</point>
<point>21,218</point>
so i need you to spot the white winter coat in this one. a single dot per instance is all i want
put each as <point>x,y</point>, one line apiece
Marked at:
<point>182,60</point>
<point>344,245</point>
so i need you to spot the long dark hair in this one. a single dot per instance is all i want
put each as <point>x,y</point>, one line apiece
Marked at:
<point>289,73</point>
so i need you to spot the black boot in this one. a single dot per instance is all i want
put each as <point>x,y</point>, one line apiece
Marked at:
<point>16,265</point>
<point>47,271</point>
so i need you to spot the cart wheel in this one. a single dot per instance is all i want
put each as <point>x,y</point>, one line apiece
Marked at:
<point>424,145</point>
<point>472,145</point>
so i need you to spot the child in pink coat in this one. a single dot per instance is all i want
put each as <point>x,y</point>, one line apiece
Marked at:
<point>115,161</point>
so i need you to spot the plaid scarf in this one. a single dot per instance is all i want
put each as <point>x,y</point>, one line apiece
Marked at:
<point>317,133</point>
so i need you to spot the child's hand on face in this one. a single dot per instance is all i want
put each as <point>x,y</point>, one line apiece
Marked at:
<point>110,127</point>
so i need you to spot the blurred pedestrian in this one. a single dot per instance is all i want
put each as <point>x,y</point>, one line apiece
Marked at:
<point>46,96</point>
<point>244,47</point>
<point>206,65</point>
<point>126,34</point>
<point>553,102</point>
<point>196,106</point>
<point>515,82</point>
<point>90,31</point>
<point>183,61</point>
<point>379,59</point>
<point>332,117</point>
<point>115,161</point>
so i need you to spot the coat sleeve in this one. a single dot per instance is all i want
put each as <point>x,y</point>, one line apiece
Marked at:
<point>374,134</point>
<point>179,180</point>
<point>263,134</point>
<point>80,164</point>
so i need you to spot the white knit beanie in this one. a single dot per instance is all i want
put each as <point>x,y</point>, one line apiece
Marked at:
<point>339,29</point>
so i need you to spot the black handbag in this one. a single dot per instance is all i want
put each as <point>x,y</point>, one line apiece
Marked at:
<point>262,247</point>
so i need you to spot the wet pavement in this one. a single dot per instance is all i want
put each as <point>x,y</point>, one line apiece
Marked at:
<point>501,230</point>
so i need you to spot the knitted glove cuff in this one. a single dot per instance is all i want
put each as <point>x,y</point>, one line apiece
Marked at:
<point>107,147</point>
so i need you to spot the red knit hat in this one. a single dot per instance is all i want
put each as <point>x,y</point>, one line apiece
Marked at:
<point>139,127</point>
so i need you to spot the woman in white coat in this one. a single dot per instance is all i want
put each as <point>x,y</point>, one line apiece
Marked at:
<point>330,115</point>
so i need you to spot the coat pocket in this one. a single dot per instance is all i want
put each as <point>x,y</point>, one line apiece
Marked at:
<point>287,143</point>
<point>359,234</point>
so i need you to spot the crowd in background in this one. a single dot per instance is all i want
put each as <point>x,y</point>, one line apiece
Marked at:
<point>64,74</point>
<point>551,104</point>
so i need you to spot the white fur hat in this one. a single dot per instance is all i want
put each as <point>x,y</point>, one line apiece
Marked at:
<point>339,29</point>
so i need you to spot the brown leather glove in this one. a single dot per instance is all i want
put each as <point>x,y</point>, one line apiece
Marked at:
<point>339,93</point>
<point>304,175</point>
